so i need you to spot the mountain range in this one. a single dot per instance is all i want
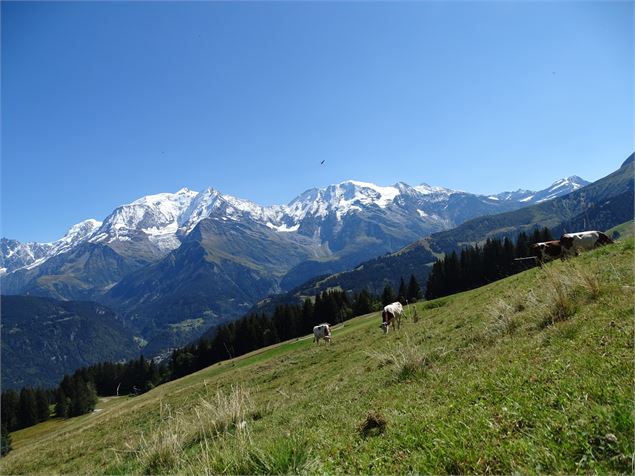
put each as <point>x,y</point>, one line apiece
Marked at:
<point>174,264</point>
<point>604,204</point>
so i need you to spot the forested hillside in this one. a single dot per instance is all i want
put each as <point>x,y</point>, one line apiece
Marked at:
<point>43,339</point>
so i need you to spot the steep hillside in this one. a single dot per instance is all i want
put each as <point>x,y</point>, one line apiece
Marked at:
<point>625,230</point>
<point>531,374</point>
<point>43,339</point>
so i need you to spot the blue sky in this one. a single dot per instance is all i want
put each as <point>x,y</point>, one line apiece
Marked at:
<point>104,102</point>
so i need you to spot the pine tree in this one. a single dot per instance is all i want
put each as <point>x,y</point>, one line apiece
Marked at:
<point>521,249</point>
<point>62,404</point>
<point>388,296</point>
<point>5,442</point>
<point>9,405</point>
<point>403,292</point>
<point>42,405</point>
<point>27,413</point>
<point>84,397</point>
<point>414,290</point>
<point>362,303</point>
<point>545,235</point>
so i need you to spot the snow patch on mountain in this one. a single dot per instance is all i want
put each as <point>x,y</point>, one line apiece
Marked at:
<point>426,189</point>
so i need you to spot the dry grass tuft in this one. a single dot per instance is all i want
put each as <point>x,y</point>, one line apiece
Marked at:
<point>409,359</point>
<point>588,280</point>
<point>502,320</point>
<point>556,300</point>
<point>224,413</point>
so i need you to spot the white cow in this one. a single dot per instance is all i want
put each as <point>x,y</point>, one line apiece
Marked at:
<point>573,243</point>
<point>322,331</point>
<point>390,313</point>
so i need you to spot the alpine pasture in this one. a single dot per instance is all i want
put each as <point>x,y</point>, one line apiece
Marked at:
<point>533,373</point>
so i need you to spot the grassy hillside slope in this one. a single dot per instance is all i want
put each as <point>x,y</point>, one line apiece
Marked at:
<point>533,373</point>
<point>623,231</point>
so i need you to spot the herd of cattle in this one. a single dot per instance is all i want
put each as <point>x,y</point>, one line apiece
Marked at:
<point>569,244</point>
<point>389,316</point>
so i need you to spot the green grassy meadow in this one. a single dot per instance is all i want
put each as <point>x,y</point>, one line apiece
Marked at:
<point>530,374</point>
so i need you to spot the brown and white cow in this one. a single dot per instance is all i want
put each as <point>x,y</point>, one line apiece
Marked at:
<point>322,331</point>
<point>547,250</point>
<point>573,243</point>
<point>391,313</point>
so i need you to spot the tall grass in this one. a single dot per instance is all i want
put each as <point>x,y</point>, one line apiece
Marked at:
<point>502,318</point>
<point>215,438</point>
<point>555,302</point>
<point>409,359</point>
<point>162,449</point>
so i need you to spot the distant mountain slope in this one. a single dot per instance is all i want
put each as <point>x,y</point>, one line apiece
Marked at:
<point>43,339</point>
<point>214,276</point>
<point>83,273</point>
<point>566,185</point>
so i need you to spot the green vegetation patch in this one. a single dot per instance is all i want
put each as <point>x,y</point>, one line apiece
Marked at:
<point>187,324</point>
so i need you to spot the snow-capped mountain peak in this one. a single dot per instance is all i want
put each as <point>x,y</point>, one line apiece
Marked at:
<point>158,216</point>
<point>426,189</point>
<point>556,189</point>
<point>16,255</point>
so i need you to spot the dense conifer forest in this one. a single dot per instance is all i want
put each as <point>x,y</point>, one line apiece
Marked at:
<point>478,265</point>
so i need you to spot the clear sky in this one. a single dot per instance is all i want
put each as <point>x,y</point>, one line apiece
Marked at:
<point>104,102</point>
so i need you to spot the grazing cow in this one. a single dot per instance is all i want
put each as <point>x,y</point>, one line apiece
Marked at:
<point>322,331</point>
<point>573,243</point>
<point>546,250</point>
<point>392,312</point>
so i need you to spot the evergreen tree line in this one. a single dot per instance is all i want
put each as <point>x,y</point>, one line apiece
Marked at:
<point>26,408</point>
<point>478,265</point>
<point>77,393</point>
